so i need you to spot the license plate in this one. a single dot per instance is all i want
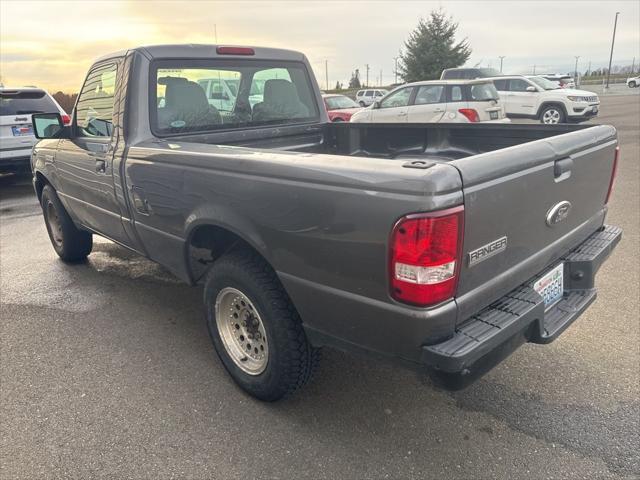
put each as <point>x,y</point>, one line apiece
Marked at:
<point>493,115</point>
<point>21,130</point>
<point>551,286</point>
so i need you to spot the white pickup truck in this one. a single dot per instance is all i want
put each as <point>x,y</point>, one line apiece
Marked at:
<point>538,98</point>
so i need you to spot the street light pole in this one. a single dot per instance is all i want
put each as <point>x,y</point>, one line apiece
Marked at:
<point>396,69</point>
<point>367,65</point>
<point>575,70</point>
<point>613,40</point>
<point>326,72</point>
<point>501,59</point>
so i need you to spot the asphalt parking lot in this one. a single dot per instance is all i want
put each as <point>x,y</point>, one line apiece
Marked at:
<point>107,370</point>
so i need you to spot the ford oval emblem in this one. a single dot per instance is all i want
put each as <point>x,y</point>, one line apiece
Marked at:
<point>558,213</point>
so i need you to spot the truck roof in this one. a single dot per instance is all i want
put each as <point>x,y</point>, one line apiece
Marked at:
<point>191,50</point>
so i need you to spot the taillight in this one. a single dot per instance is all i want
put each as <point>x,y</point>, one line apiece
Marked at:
<point>614,171</point>
<point>66,119</point>
<point>425,256</point>
<point>235,51</point>
<point>471,114</point>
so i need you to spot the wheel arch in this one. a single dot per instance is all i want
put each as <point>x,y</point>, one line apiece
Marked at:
<point>39,182</point>
<point>207,240</point>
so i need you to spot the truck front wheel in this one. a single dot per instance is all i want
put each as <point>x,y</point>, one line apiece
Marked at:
<point>255,328</point>
<point>70,243</point>
<point>552,115</point>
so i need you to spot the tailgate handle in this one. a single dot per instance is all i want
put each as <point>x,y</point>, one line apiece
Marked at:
<point>562,168</point>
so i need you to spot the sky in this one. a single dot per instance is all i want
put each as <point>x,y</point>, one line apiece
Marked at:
<point>52,43</point>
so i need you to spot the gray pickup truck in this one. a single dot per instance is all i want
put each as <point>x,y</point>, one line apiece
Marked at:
<point>442,246</point>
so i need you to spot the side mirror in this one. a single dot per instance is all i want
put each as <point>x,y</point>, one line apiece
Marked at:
<point>49,125</point>
<point>531,88</point>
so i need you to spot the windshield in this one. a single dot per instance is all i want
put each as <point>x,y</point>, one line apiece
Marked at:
<point>26,102</point>
<point>337,103</point>
<point>484,92</point>
<point>544,83</point>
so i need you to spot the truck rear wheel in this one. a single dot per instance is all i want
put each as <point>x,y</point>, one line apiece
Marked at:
<point>255,329</point>
<point>70,243</point>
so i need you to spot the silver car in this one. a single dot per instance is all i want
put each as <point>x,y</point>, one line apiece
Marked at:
<point>16,132</point>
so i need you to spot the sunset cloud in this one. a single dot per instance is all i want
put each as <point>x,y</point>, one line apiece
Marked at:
<point>52,43</point>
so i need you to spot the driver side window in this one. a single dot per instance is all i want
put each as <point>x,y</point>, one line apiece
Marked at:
<point>94,110</point>
<point>397,99</point>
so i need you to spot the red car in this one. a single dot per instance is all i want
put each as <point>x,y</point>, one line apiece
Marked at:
<point>340,107</point>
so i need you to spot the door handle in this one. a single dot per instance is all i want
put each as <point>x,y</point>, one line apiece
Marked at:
<point>438,110</point>
<point>562,169</point>
<point>101,166</point>
<point>403,114</point>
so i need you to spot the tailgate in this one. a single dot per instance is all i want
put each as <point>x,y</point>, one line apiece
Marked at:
<point>509,199</point>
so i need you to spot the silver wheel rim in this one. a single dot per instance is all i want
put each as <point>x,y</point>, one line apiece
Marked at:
<point>241,331</point>
<point>54,224</point>
<point>551,116</point>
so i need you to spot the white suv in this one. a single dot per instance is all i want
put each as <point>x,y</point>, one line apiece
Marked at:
<point>633,82</point>
<point>437,101</point>
<point>16,132</point>
<point>541,99</point>
<point>364,98</point>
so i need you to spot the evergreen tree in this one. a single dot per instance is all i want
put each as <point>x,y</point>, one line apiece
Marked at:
<point>354,82</point>
<point>431,48</point>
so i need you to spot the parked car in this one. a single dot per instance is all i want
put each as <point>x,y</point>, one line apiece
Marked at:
<point>444,246</point>
<point>536,97</point>
<point>340,107</point>
<point>16,132</point>
<point>468,73</point>
<point>633,82</point>
<point>221,92</point>
<point>364,98</point>
<point>452,101</point>
<point>564,81</point>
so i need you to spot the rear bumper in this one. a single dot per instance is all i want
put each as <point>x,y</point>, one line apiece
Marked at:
<point>495,332</point>
<point>21,162</point>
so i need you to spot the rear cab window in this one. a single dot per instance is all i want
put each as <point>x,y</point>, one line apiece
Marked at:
<point>189,96</point>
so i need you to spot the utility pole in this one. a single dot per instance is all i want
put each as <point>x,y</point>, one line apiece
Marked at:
<point>380,77</point>
<point>589,68</point>
<point>367,66</point>
<point>502,57</point>
<point>613,40</point>
<point>326,72</point>
<point>633,66</point>
<point>396,69</point>
<point>534,69</point>
<point>575,70</point>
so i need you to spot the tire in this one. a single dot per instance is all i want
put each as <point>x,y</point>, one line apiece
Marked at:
<point>632,84</point>
<point>552,115</point>
<point>71,244</point>
<point>361,103</point>
<point>244,298</point>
